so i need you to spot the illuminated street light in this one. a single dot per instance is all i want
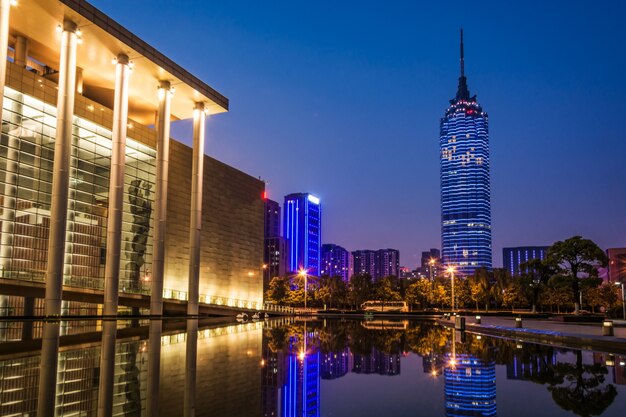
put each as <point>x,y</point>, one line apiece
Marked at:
<point>303,273</point>
<point>451,270</point>
<point>623,300</point>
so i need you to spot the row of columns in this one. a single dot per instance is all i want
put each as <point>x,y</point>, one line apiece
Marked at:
<point>69,74</point>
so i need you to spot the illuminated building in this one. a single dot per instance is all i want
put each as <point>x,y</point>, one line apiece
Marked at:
<point>470,387</point>
<point>512,258</point>
<point>617,264</point>
<point>272,218</point>
<point>431,263</point>
<point>376,362</point>
<point>97,204</point>
<point>275,259</point>
<point>465,188</point>
<point>302,228</point>
<point>377,263</point>
<point>336,262</point>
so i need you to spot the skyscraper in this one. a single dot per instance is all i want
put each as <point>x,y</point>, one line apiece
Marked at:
<point>465,189</point>
<point>470,386</point>
<point>387,263</point>
<point>431,263</point>
<point>336,261</point>
<point>302,228</point>
<point>365,262</point>
<point>272,218</point>
<point>512,258</point>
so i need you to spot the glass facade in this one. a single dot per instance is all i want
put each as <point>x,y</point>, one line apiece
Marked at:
<point>470,387</point>
<point>26,159</point>
<point>465,187</point>
<point>302,227</point>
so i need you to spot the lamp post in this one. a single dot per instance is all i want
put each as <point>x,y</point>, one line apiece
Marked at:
<point>430,269</point>
<point>451,272</point>
<point>623,300</point>
<point>303,274</point>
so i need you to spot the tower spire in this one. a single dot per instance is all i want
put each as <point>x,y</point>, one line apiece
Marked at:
<point>462,56</point>
<point>462,93</point>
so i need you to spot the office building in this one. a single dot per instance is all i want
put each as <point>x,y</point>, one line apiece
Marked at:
<point>95,203</point>
<point>512,258</point>
<point>377,263</point>
<point>272,218</point>
<point>337,262</point>
<point>431,266</point>
<point>376,362</point>
<point>617,264</point>
<point>275,260</point>
<point>465,188</point>
<point>302,228</point>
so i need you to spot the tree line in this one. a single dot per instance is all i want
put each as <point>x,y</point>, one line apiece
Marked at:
<point>565,281</point>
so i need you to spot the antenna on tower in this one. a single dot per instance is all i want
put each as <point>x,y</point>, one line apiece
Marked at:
<point>462,56</point>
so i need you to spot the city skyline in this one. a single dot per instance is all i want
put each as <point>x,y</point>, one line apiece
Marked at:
<point>532,75</point>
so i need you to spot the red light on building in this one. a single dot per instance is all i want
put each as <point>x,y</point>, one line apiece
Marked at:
<point>264,195</point>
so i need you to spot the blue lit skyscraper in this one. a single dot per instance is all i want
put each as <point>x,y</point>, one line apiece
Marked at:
<point>465,189</point>
<point>302,227</point>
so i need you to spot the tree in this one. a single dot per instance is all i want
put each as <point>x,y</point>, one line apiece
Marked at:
<point>278,289</point>
<point>513,295</point>
<point>606,295</point>
<point>557,293</point>
<point>576,256</point>
<point>479,287</point>
<point>534,277</point>
<point>359,289</point>
<point>386,290</point>
<point>418,293</point>
<point>331,290</point>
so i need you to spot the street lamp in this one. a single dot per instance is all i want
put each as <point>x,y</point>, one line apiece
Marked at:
<point>430,270</point>
<point>303,274</point>
<point>623,300</point>
<point>450,270</point>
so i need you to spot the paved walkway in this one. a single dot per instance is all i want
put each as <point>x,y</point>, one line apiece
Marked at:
<point>587,329</point>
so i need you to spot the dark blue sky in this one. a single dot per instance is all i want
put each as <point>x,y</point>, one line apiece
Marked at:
<point>343,99</point>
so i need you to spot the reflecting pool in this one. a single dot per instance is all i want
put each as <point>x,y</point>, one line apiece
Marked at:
<point>288,368</point>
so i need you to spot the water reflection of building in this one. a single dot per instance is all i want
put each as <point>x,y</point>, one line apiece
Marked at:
<point>470,387</point>
<point>433,364</point>
<point>301,391</point>
<point>336,364</point>
<point>377,362</point>
<point>530,367</point>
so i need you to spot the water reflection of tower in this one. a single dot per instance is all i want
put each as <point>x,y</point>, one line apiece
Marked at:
<point>301,391</point>
<point>470,386</point>
<point>274,369</point>
<point>377,362</point>
<point>336,364</point>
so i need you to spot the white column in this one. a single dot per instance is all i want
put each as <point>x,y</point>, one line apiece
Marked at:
<point>8,213</point>
<point>116,187</point>
<point>160,215</point>
<point>61,169</point>
<point>195,223</point>
<point>21,51</point>
<point>107,368</point>
<point>46,397</point>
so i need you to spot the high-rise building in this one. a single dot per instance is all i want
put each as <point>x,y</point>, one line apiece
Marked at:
<point>617,264</point>
<point>376,362</point>
<point>365,262</point>
<point>275,260</point>
<point>272,218</point>
<point>470,386</point>
<point>336,261</point>
<point>379,263</point>
<point>512,258</point>
<point>431,263</point>
<point>302,228</point>
<point>465,188</point>
<point>387,263</point>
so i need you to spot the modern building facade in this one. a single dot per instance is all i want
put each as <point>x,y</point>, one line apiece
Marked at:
<point>85,199</point>
<point>465,187</point>
<point>276,259</point>
<point>377,263</point>
<point>337,261</point>
<point>272,218</point>
<point>512,258</point>
<point>431,263</point>
<point>302,214</point>
<point>617,264</point>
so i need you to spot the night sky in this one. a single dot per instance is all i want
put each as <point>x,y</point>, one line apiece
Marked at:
<point>343,100</point>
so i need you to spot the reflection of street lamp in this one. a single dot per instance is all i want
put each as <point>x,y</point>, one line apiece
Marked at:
<point>450,270</point>
<point>303,274</point>
<point>623,300</point>
<point>430,269</point>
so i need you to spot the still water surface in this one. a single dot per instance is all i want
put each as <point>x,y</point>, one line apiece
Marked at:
<point>289,368</point>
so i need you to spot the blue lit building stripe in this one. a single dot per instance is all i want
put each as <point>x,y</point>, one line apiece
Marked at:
<point>470,387</point>
<point>302,227</point>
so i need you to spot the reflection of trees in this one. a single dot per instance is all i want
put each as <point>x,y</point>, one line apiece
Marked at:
<point>580,388</point>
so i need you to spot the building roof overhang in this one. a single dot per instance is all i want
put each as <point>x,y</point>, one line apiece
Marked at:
<point>102,40</point>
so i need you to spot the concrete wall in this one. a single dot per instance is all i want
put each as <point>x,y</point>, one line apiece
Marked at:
<point>232,229</point>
